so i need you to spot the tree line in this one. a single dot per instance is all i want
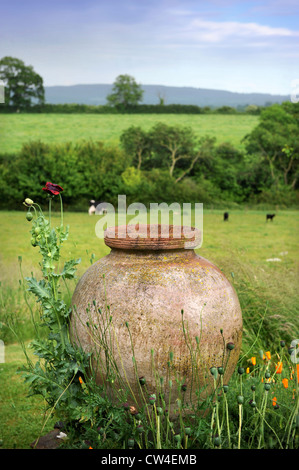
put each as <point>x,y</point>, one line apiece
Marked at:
<point>75,108</point>
<point>24,92</point>
<point>166,163</point>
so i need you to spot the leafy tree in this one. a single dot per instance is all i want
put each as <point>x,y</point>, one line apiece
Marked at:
<point>174,147</point>
<point>275,140</point>
<point>136,143</point>
<point>22,84</point>
<point>125,93</point>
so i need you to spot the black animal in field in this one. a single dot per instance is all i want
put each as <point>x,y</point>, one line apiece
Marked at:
<point>225,216</point>
<point>270,217</point>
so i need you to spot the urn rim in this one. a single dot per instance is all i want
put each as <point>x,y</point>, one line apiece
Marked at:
<point>152,237</point>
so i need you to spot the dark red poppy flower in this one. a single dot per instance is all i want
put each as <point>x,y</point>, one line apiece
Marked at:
<point>52,188</point>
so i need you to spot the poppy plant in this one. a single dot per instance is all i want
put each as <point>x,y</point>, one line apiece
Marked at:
<point>52,188</point>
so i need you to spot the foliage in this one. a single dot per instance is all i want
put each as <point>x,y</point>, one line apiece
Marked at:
<point>55,374</point>
<point>89,169</point>
<point>125,93</point>
<point>136,143</point>
<point>23,86</point>
<point>173,144</point>
<point>197,165</point>
<point>275,139</point>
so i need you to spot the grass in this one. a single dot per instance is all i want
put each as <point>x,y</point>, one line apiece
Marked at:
<point>22,417</point>
<point>15,129</point>
<point>268,291</point>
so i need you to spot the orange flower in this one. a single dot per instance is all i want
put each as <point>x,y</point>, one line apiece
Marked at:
<point>279,368</point>
<point>253,361</point>
<point>297,373</point>
<point>80,380</point>
<point>247,370</point>
<point>285,383</point>
<point>274,401</point>
<point>90,447</point>
<point>268,355</point>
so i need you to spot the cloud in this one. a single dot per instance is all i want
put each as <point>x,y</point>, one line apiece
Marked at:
<point>217,31</point>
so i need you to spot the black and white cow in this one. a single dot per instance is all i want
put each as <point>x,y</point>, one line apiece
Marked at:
<point>94,209</point>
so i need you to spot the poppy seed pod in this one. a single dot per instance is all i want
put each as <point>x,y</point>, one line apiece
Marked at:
<point>230,346</point>
<point>140,428</point>
<point>240,399</point>
<point>142,380</point>
<point>131,442</point>
<point>152,399</point>
<point>29,216</point>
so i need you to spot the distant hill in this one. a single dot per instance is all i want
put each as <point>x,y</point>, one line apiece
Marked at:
<point>96,95</point>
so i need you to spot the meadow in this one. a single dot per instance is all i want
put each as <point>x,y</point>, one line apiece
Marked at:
<point>259,258</point>
<point>267,290</point>
<point>16,129</point>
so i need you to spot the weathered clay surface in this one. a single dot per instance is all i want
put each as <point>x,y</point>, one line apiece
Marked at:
<point>147,289</point>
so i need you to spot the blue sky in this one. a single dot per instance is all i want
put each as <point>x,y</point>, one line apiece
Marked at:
<point>230,45</point>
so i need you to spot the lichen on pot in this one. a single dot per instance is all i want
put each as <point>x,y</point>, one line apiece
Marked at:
<point>151,297</point>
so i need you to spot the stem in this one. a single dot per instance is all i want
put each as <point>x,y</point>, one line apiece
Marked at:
<point>270,428</point>
<point>240,426</point>
<point>294,413</point>
<point>61,210</point>
<point>264,405</point>
<point>50,206</point>
<point>227,422</point>
<point>158,429</point>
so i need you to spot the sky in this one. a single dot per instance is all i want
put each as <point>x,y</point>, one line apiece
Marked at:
<point>239,46</point>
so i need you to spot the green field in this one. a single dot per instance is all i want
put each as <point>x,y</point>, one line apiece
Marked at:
<point>16,129</point>
<point>268,291</point>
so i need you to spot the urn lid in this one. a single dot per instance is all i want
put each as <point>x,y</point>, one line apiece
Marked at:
<point>152,237</point>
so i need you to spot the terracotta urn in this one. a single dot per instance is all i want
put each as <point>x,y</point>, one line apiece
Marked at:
<point>162,312</point>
